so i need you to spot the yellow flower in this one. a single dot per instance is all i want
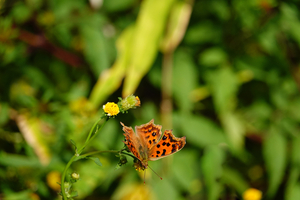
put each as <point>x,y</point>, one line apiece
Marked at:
<point>111,109</point>
<point>252,194</point>
<point>52,179</point>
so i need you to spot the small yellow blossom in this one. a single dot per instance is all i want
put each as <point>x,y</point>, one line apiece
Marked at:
<point>111,109</point>
<point>52,179</point>
<point>252,194</point>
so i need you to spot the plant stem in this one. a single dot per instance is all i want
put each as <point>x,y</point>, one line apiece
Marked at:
<point>91,132</point>
<point>97,152</point>
<point>82,157</point>
<point>63,177</point>
<point>107,151</point>
<point>89,138</point>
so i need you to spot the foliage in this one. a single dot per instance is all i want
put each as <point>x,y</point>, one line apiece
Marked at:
<point>225,74</point>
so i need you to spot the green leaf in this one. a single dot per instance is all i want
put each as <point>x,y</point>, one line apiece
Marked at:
<point>21,12</point>
<point>180,162</point>
<point>96,160</point>
<point>212,57</point>
<point>118,5</point>
<point>184,67</point>
<point>275,155</point>
<point>74,194</point>
<point>18,160</point>
<point>202,32</point>
<point>212,161</point>
<point>95,49</point>
<point>200,131</point>
<point>18,195</point>
<point>4,113</point>
<point>113,76</point>
<point>149,29</point>
<point>296,151</point>
<point>74,144</point>
<point>165,189</point>
<point>234,179</point>
<point>293,187</point>
<point>234,129</point>
<point>177,25</point>
<point>294,193</point>
<point>224,85</point>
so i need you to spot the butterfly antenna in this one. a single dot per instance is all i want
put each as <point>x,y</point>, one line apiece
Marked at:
<point>155,173</point>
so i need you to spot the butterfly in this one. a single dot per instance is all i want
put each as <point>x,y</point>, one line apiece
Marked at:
<point>148,143</point>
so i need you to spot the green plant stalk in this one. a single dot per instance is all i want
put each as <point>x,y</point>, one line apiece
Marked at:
<point>107,151</point>
<point>76,158</point>
<point>62,184</point>
<point>89,138</point>
<point>91,132</point>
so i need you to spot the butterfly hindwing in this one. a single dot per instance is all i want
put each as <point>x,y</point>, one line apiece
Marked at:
<point>131,140</point>
<point>168,145</point>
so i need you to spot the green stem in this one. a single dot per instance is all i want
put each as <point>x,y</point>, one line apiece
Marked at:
<point>97,152</point>
<point>63,177</point>
<point>88,140</point>
<point>128,154</point>
<point>76,158</point>
<point>91,138</point>
<point>91,132</point>
<point>107,151</point>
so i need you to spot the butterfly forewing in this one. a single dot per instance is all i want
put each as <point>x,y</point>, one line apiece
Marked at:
<point>168,145</point>
<point>149,134</point>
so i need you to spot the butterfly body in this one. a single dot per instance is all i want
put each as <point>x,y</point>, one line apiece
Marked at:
<point>148,144</point>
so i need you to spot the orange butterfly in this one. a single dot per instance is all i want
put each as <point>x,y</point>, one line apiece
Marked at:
<point>147,144</point>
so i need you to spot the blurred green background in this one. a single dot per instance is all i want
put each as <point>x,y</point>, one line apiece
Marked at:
<point>223,73</point>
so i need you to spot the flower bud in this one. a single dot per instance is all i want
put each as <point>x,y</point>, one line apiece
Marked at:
<point>75,176</point>
<point>129,102</point>
<point>123,160</point>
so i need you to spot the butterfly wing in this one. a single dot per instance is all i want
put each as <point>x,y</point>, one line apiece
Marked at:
<point>131,141</point>
<point>149,134</point>
<point>169,144</point>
